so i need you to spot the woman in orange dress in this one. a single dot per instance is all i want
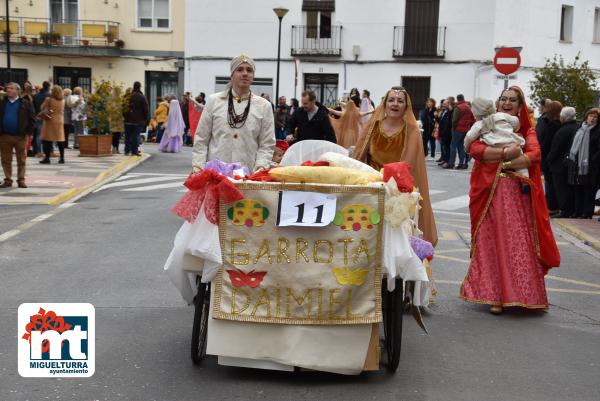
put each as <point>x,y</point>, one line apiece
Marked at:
<point>347,128</point>
<point>392,135</point>
<point>512,242</point>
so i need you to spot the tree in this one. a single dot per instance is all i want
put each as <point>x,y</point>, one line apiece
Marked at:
<point>572,85</point>
<point>103,107</point>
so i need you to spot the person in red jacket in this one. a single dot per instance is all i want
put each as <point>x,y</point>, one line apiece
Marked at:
<point>462,120</point>
<point>513,246</point>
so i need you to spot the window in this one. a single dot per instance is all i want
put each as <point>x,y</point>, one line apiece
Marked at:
<point>153,14</point>
<point>566,23</point>
<point>63,10</point>
<point>325,87</point>
<point>596,38</point>
<point>318,18</point>
<point>18,75</point>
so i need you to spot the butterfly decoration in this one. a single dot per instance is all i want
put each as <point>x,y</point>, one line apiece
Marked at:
<point>240,279</point>
<point>345,276</point>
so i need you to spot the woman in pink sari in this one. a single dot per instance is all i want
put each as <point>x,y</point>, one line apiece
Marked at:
<point>512,242</point>
<point>171,141</point>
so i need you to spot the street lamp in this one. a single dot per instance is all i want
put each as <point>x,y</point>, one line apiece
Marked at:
<point>280,12</point>
<point>7,37</point>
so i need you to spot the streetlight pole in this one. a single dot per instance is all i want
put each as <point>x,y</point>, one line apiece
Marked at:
<point>280,12</point>
<point>7,37</point>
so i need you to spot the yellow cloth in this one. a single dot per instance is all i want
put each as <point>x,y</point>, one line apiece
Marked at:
<point>162,112</point>
<point>324,175</point>
<point>385,149</point>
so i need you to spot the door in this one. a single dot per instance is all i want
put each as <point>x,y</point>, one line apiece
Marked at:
<point>421,27</point>
<point>70,77</point>
<point>325,87</point>
<point>159,83</point>
<point>418,89</point>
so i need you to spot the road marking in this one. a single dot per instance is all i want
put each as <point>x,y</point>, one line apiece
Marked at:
<point>458,202</point>
<point>451,213</point>
<point>548,276</point>
<point>568,280</point>
<point>136,181</point>
<point>437,253</point>
<point>445,235</point>
<point>573,291</point>
<point>436,191</point>
<point>27,225</point>
<point>436,256</point>
<point>159,174</point>
<point>42,217</point>
<point>453,225</point>
<point>9,234</point>
<point>564,290</point>
<point>152,187</point>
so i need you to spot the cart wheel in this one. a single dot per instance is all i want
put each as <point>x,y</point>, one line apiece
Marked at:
<point>393,310</point>
<point>200,328</point>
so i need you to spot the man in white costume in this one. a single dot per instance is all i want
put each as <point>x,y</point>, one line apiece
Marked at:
<point>236,125</point>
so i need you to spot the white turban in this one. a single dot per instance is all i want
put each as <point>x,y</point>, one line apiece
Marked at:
<point>241,59</point>
<point>482,107</point>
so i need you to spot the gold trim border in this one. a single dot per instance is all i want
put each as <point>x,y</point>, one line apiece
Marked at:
<point>507,304</point>
<point>377,318</point>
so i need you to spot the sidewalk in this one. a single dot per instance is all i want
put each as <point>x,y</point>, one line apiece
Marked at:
<point>587,230</point>
<point>53,184</point>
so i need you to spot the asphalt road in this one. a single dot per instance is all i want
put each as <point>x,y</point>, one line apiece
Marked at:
<point>108,249</point>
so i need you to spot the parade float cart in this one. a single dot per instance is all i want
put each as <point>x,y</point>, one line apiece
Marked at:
<point>299,275</point>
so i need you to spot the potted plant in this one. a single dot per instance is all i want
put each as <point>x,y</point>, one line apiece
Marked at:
<point>119,43</point>
<point>100,114</point>
<point>34,41</point>
<point>85,42</point>
<point>24,40</point>
<point>55,37</point>
<point>110,37</point>
<point>50,37</point>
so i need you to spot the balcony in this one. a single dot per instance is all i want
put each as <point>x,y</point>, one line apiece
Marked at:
<point>419,42</point>
<point>324,40</point>
<point>77,37</point>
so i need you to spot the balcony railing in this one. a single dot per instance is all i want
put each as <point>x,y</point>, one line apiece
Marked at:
<point>419,41</point>
<point>324,40</point>
<point>71,33</point>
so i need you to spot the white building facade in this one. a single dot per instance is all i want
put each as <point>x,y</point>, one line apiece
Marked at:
<point>434,48</point>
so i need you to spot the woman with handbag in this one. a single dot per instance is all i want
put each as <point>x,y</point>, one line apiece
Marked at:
<point>52,115</point>
<point>558,161</point>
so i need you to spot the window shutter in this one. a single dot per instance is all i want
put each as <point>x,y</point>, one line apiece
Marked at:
<point>318,5</point>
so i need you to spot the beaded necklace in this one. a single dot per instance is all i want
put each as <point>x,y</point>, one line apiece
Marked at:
<point>233,119</point>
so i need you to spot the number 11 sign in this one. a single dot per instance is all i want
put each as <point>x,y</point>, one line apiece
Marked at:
<point>308,209</point>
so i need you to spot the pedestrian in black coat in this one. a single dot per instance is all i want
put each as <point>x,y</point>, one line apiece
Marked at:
<point>546,129</point>
<point>557,161</point>
<point>427,117</point>
<point>311,120</point>
<point>445,130</point>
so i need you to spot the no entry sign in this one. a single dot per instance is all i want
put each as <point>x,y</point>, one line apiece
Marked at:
<point>507,60</point>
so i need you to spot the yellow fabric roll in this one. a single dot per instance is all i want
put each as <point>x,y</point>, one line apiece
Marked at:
<point>324,175</point>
